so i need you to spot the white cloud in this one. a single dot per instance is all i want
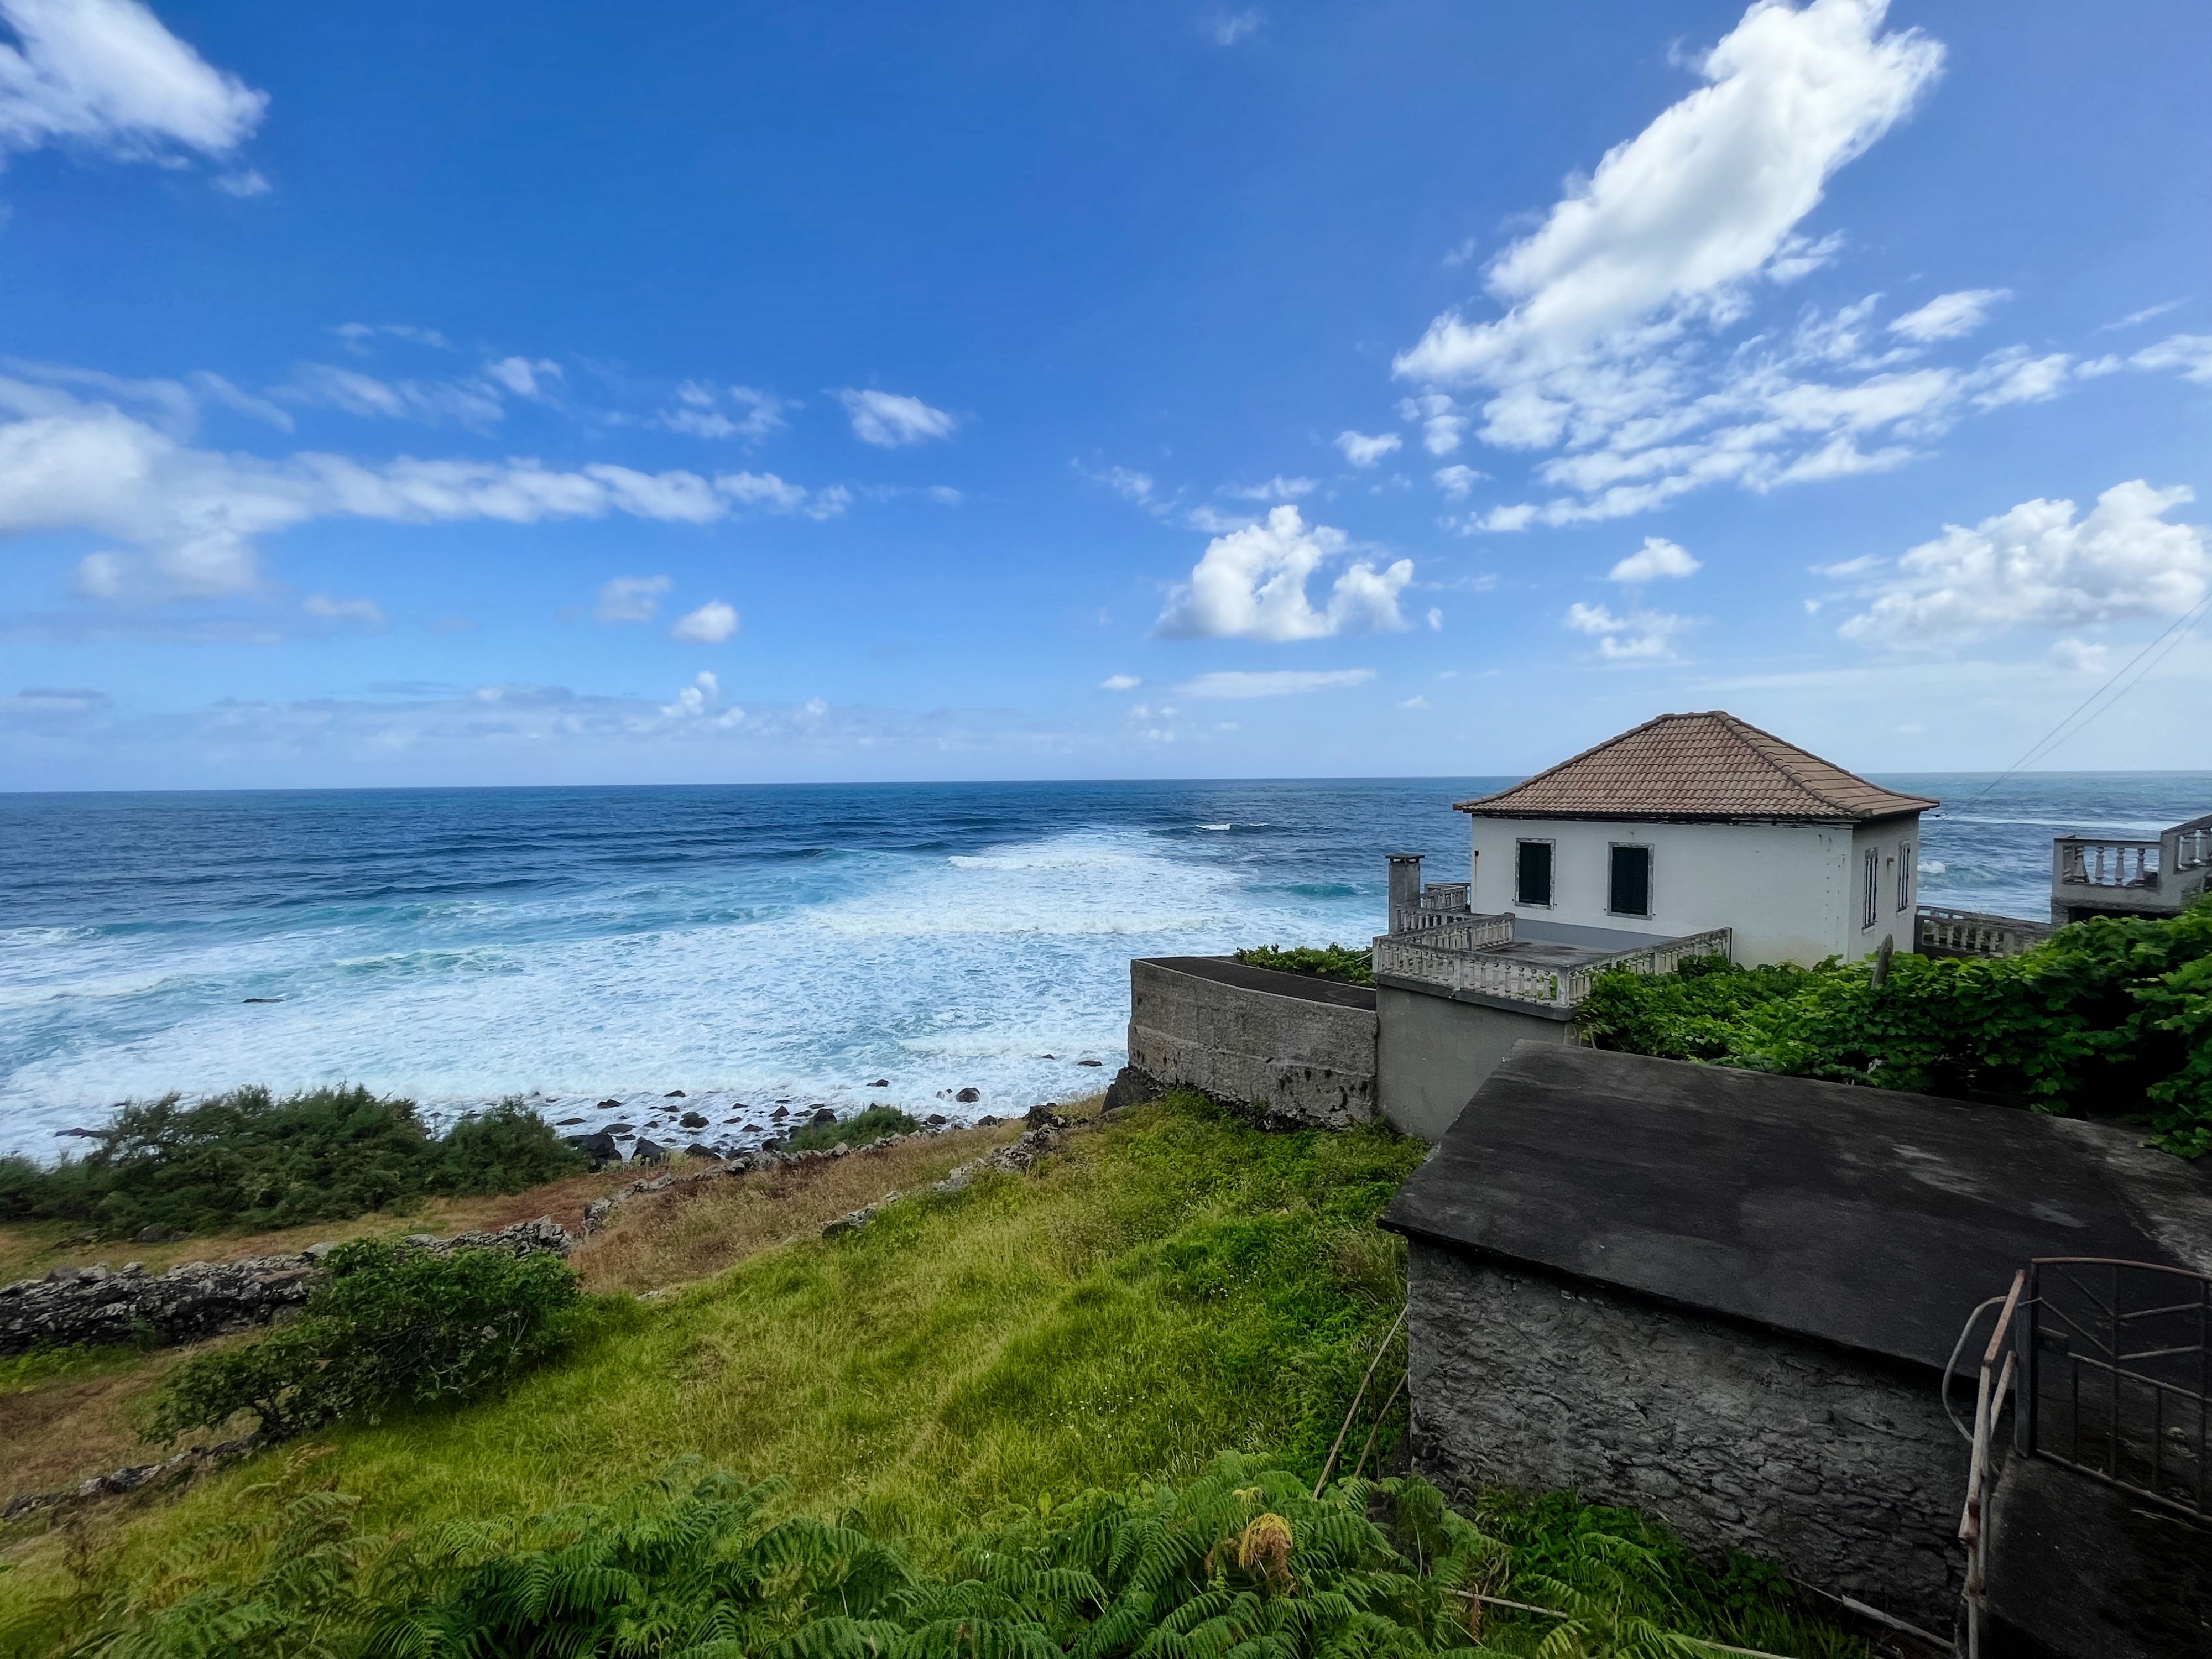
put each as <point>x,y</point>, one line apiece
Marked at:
<point>1363,451</point>
<point>1227,28</point>
<point>2036,567</point>
<point>1601,353</point>
<point>2080,657</point>
<point>244,186</point>
<point>1251,583</point>
<point>465,403</point>
<point>2190,353</point>
<point>1276,489</point>
<point>1443,421</point>
<point>105,74</point>
<point>1639,636</point>
<point>1455,480</point>
<point>363,613</point>
<point>1119,683</point>
<point>890,420</point>
<point>712,623</point>
<point>761,489</point>
<point>759,413</point>
<point>192,515</point>
<point>355,335</point>
<point>2142,316</point>
<point>1948,316</point>
<point>1701,201</point>
<point>630,598</point>
<point>1416,700</point>
<point>1273,682</point>
<point>521,376</point>
<point>1127,483</point>
<point>698,703</point>
<point>1657,557</point>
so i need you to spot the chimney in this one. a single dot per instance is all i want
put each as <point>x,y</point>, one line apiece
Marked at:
<point>1405,886</point>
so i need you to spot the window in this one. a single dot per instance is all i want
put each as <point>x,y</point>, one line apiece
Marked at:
<point>1873,910</point>
<point>1628,884</point>
<point>1533,873</point>
<point>1905,869</point>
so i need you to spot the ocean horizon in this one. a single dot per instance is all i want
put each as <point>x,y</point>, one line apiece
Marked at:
<point>749,944</point>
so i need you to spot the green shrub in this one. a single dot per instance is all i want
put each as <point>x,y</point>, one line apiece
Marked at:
<point>392,1325</point>
<point>246,1160</point>
<point>858,1130</point>
<point>1332,961</point>
<point>2112,1016</point>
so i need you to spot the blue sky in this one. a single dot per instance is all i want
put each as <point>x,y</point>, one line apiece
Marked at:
<point>690,392</point>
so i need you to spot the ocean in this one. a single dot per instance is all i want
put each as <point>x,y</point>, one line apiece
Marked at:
<point>748,945</point>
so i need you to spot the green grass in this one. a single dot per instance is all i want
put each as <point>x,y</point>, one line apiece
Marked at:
<point>857,1130</point>
<point>1167,1287</point>
<point>1332,961</point>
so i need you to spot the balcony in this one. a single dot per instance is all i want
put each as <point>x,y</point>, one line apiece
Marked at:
<point>2097,875</point>
<point>1976,933</point>
<point>1440,946</point>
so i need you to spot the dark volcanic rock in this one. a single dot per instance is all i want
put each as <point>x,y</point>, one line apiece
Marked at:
<point>566,1121</point>
<point>610,1105</point>
<point>1089,1062</point>
<point>262,999</point>
<point>620,1129</point>
<point>693,1119</point>
<point>937,1119</point>
<point>780,1111</point>
<point>823,1114</point>
<point>600,1148</point>
<point>881,1083</point>
<point>700,1149</point>
<point>969,1097</point>
<point>649,1152</point>
<point>673,1094</point>
<point>157,1234</point>
<point>88,1135</point>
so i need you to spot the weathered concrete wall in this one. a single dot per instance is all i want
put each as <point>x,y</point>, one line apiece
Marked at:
<point>1843,1471</point>
<point>1433,1052</point>
<point>1293,1059</point>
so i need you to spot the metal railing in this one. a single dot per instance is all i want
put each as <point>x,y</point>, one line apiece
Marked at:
<point>1976,933</point>
<point>2113,1361</point>
<point>1439,957</point>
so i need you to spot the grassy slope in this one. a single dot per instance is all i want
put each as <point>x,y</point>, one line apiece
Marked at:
<point>1163,1288</point>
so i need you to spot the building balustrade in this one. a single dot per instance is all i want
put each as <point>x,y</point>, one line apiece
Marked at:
<point>1469,955</point>
<point>1944,933</point>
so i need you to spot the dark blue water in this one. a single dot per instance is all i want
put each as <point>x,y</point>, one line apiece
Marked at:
<point>743,945</point>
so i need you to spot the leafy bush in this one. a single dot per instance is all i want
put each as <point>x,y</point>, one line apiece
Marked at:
<point>247,1160</point>
<point>1332,961</point>
<point>1241,1559</point>
<point>858,1130</point>
<point>2112,1016</point>
<point>392,1325</point>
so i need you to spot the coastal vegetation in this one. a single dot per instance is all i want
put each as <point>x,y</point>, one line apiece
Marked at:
<point>975,1394</point>
<point>1332,961</point>
<point>858,1130</point>
<point>2112,1016</point>
<point>246,1160</point>
<point>389,1325</point>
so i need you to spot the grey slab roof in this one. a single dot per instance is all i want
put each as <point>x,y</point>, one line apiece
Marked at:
<point>1866,1218</point>
<point>1309,987</point>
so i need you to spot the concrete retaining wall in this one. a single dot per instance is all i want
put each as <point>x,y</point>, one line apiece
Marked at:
<point>1842,1470</point>
<point>1294,1049</point>
<point>1433,1052</point>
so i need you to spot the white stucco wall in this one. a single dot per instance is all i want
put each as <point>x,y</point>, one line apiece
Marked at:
<point>1789,891</point>
<point>1888,841</point>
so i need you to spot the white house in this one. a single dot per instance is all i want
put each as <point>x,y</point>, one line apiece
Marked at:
<point>1695,821</point>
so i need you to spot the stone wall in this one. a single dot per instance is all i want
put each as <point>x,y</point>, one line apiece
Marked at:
<point>195,1300</point>
<point>1842,1470</point>
<point>1293,1059</point>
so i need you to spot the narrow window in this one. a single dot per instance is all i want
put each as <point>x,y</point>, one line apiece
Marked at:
<point>1533,873</point>
<point>1905,869</point>
<point>1628,890</point>
<point>1873,910</point>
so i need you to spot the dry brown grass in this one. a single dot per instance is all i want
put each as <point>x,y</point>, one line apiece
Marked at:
<point>687,1232</point>
<point>60,1430</point>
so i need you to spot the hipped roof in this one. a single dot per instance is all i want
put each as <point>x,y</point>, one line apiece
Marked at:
<point>1710,765</point>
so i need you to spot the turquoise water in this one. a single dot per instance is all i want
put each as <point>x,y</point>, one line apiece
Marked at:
<point>746,946</point>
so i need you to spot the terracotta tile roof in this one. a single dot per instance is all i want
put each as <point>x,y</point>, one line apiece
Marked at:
<point>1696,766</point>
